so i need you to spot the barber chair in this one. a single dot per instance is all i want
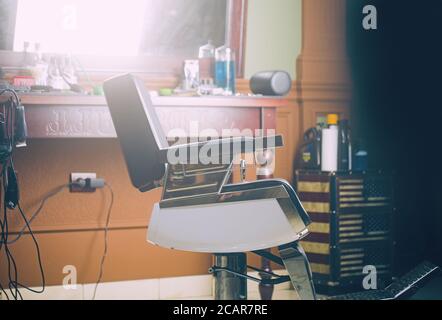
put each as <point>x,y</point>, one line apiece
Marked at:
<point>200,209</point>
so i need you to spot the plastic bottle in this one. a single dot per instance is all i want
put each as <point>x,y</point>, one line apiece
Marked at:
<point>27,60</point>
<point>360,157</point>
<point>40,68</point>
<point>220,73</point>
<point>206,58</point>
<point>225,75</point>
<point>54,77</point>
<point>329,145</point>
<point>344,147</point>
<point>69,70</point>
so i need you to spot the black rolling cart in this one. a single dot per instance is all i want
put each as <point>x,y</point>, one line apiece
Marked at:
<point>351,230</point>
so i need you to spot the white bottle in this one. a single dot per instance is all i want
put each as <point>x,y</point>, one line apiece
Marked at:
<point>329,145</point>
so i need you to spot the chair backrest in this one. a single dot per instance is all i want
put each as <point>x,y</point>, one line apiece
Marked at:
<point>138,129</point>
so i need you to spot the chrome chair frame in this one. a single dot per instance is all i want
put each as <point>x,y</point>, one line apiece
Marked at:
<point>200,210</point>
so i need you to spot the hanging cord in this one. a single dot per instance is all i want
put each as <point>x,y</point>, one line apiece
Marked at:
<point>7,162</point>
<point>106,240</point>
<point>51,194</point>
<point>40,264</point>
<point>13,93</point>
<point>12,266</point>
<point>14,284</point>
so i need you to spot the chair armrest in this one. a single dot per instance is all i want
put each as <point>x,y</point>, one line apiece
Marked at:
<point>226,149</point>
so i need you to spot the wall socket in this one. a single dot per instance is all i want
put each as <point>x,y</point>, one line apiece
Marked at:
<point>75,176</point>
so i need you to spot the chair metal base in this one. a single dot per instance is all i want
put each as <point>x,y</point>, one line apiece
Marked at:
<point>230,271</point>
<point>229,286</point>
<point>296,263</point>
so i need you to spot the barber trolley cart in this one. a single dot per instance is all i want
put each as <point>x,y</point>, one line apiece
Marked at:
<point>351,230</point>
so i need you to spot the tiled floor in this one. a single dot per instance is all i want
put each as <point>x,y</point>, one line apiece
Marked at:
<point>187,288</point>
<point>277,295</point>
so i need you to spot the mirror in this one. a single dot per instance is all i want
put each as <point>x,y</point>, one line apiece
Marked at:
<point>113,27</point>
<point>108,36</point>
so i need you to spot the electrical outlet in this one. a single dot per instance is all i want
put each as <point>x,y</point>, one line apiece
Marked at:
<point>75,176</point>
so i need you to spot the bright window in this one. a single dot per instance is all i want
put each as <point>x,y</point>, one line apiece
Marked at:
<point>98,27</point>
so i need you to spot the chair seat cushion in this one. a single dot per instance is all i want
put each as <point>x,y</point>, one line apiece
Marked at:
<point>222,227</point>
<point>229,227</point>
<point>268,183</point>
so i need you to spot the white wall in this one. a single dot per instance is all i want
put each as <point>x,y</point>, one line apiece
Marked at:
<point>273,36</point>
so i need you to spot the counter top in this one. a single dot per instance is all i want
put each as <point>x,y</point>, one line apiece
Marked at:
<point>60,99</point>
<point>57,115</point>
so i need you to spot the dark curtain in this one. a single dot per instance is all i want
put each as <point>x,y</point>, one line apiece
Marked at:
<point>397,110</point>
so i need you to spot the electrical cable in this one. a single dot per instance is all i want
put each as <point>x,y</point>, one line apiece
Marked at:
<point>6,160</point>
<point>10,258</point>
<point>14,284</point>
<point>17,99</point>
<point>2,227</point>
<point>53,193</point>
<point>12,271</point>
<point>106,240</point>
<point>4,292</point>
<point>40,264</point>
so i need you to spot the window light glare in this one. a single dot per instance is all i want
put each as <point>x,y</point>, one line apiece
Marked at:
<point>97,27</point>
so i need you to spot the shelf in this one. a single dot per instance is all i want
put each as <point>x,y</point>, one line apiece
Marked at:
<point>210,101</point>
<point>82,116</point>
